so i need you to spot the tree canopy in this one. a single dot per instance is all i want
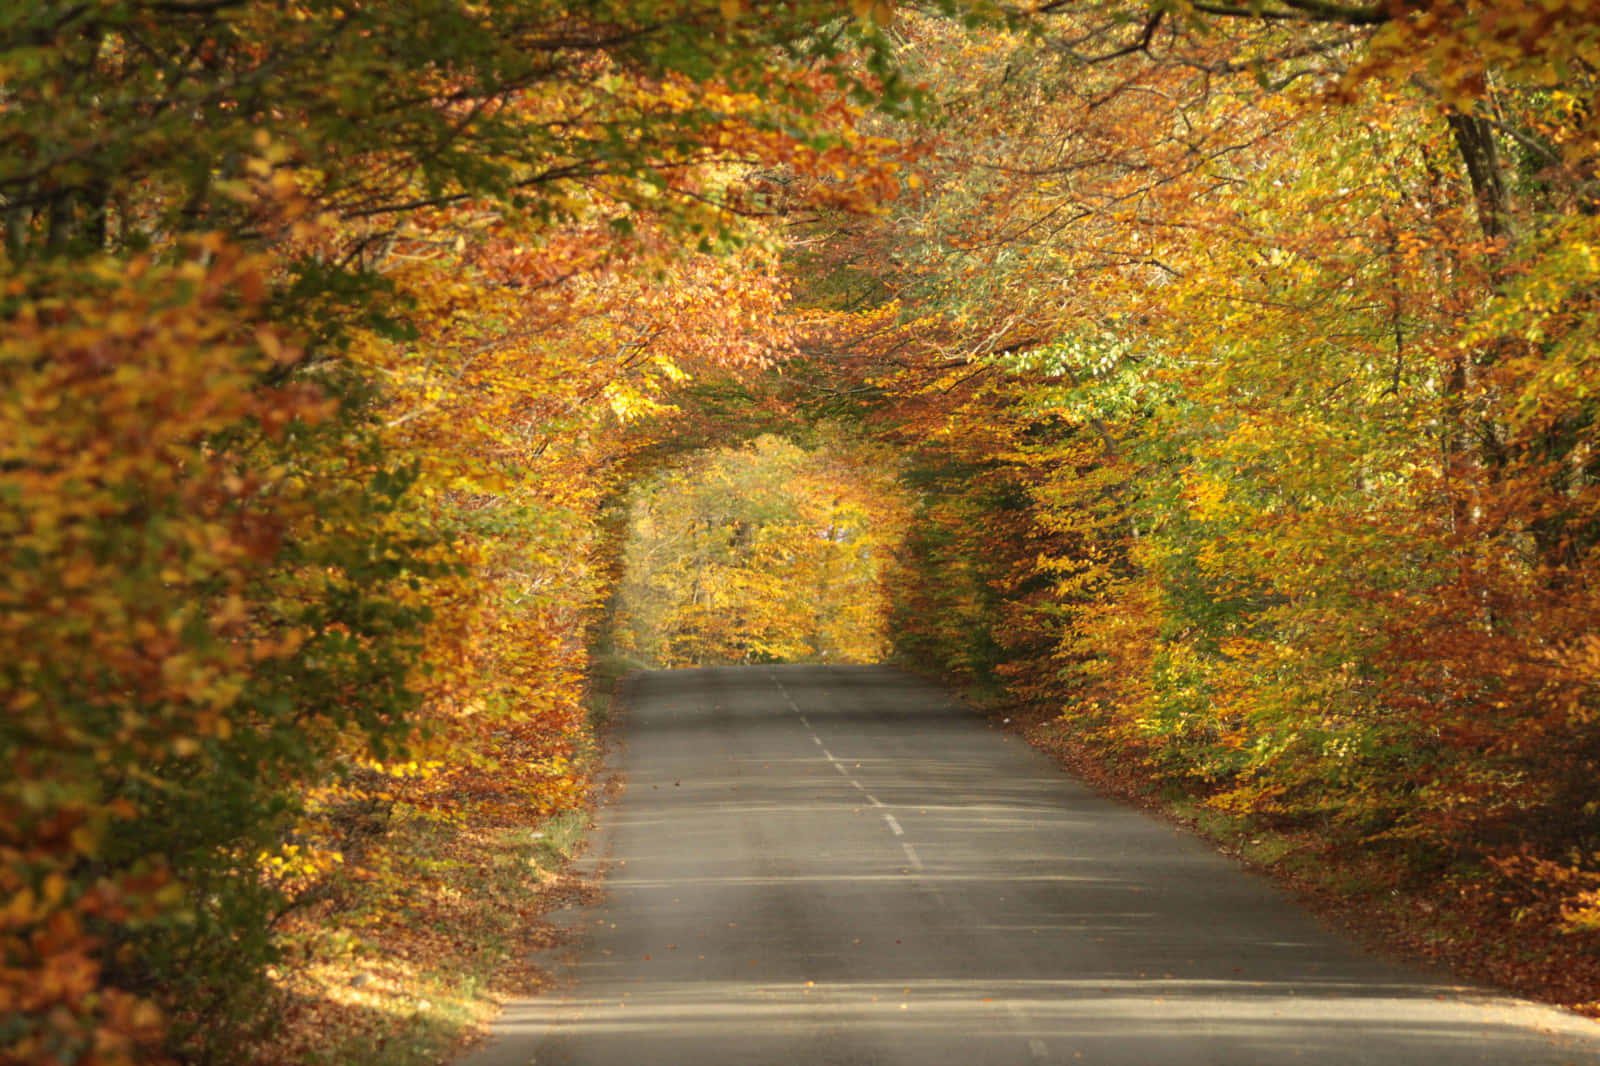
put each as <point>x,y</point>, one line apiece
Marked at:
<point>1216,378</point>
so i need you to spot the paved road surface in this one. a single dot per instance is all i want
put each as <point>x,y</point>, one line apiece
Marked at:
<point>837,866</point>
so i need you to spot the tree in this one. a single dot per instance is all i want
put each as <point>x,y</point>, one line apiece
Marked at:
<point>1240,349</point>
<point>288,453</point>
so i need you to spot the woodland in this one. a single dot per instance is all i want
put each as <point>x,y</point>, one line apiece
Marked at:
<point>1214,383</point>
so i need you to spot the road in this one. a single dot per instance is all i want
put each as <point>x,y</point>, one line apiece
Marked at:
<point>838,866</point>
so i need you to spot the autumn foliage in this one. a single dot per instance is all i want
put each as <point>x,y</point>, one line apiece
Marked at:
<point>1245,356</point>
<point>766,553</point>
<point>327,328</point>
<point>1232,364</point>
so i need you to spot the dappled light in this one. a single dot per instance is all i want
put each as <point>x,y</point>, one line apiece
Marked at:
<point>951,899</point>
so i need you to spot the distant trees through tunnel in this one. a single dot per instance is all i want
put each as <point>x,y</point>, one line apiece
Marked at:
<point>769,552</point>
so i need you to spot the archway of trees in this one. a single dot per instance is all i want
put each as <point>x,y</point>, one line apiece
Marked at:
<point>1234,366</point>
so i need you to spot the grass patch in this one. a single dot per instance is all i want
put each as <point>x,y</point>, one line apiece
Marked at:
<point>608,669</point>
<point>557,840</point>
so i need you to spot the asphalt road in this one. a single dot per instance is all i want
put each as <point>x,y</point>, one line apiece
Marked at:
<point>839,866</point>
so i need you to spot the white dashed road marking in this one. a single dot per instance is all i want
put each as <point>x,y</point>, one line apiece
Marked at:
<point>894,825</point>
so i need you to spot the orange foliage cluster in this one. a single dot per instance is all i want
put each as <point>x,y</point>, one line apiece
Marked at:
<point>111,387</point>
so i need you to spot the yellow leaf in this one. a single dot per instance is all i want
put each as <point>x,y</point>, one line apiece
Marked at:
<point>85,839</point>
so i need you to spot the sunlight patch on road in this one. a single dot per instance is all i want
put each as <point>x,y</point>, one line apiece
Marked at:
<point>1061,1013</point>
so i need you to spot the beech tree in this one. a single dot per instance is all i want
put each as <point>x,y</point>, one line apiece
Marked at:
<point>1240,349</point>
<point>324,326</point>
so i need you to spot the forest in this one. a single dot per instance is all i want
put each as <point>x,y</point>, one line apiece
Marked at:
<point>1209,384</point>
